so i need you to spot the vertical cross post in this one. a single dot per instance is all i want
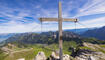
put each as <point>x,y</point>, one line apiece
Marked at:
<point>59,20</point>
<point>60,31</point>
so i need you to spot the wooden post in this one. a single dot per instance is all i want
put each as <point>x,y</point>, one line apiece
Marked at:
<point>60,31</point>
<point>59,20</point>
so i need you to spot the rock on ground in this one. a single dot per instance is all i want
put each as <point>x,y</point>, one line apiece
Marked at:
<point>66,57</point>
<point>55,56</point>
<point>21,59</point>
<point>89,55</point>
<point>40,56</point>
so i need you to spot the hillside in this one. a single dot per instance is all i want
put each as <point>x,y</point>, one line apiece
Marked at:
<point>4,36</point>
<point>49,38</point>
<point>28,45</point>
<point>98,33</point>
<point>13,52</point>
<point>44,38</point>
<point>80,30</point>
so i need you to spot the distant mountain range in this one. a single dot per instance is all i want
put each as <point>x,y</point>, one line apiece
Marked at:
<point>49,38</point>
<point>79,31</point>
<point>5,36</point>
<point>98,33</point>
<point>45,37</point>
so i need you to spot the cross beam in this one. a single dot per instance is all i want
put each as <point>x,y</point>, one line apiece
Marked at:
<point>60,20</point>
<point>56,19</point>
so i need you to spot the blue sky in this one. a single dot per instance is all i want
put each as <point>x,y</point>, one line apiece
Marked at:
<point>18,16</point>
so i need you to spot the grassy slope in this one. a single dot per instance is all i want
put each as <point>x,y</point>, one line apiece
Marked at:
<point>31,53</point>
<point>28,54</point>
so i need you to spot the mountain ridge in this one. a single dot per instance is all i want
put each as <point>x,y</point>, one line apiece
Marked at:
<point>45,37</point>
<point>98,33</point>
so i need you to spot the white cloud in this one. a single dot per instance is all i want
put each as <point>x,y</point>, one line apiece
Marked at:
<point>92,7</point>
<point>18,27</point>
<point>15,27</point>
<point>97,22</point>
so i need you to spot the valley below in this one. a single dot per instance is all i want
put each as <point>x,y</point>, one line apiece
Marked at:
<point>87,51</point>
<point>34,46</point>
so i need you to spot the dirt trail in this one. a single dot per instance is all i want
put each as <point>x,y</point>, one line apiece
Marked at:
<point>23,50</point>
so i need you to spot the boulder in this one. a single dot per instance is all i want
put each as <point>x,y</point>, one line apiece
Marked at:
<point>66,57</point>
<point>21,59</point>
<point>40,56</point>
<point>55,56</point>
<point>89,55</point>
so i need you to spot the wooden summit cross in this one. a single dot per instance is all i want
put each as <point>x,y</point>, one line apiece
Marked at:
<point>59,19</point>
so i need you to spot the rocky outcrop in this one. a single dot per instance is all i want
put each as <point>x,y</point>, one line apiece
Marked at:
<point>40,56</point>
<point>55,56</point>
<point>21,59</point>
<point>95,47</point>
<point>90,45</point>
<point>79,54</point>
<point>89,55</point>
<point>66,57</point>
<point>6,50</point>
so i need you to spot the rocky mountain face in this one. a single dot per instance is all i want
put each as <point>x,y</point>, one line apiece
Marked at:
<point>79,31</point>
<point>45,37</point>
<point>86,51</point>
<point>5,36</point>
<point>98,33</point>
